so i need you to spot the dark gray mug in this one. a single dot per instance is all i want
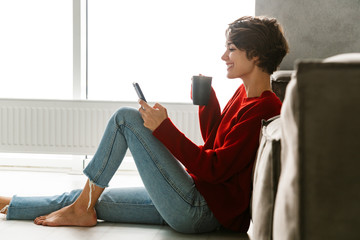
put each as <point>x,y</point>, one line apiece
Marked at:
<point>201,89</point>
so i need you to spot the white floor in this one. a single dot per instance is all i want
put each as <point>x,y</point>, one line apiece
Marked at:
<point>45,183</point>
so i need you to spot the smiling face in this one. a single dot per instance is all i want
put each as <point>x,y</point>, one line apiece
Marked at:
<point>238,64</point>
<point>262,38</point>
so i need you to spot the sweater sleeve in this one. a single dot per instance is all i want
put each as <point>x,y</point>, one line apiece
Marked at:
<point>219,164</point>
<point>209,116</point>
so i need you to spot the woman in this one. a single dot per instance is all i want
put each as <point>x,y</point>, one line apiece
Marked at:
<point>214,190</point>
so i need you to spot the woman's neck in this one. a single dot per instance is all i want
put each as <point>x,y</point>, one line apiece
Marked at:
<point>256,84</point>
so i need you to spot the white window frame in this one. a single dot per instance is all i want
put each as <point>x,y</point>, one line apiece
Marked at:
<point>63,163</point>
<point>79,49</point>
<point>80,82</point>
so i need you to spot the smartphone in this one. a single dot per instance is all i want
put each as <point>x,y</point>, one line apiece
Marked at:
<point>138,91</point>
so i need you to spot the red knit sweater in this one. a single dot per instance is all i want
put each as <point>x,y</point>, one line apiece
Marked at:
<point>222,167</point>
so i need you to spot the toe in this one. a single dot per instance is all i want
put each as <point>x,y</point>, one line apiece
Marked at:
<point>39,220</point>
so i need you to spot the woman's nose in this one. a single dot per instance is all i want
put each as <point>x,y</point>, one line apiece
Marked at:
<point>224,56</point>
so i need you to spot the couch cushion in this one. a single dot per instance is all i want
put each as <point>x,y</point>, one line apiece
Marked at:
<point>286,210</point>
<point>265,179</point>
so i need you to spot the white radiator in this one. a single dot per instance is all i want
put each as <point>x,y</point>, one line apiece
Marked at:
<point>71,126</point>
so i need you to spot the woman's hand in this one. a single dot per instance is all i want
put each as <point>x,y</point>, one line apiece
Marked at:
<point>152,116</point>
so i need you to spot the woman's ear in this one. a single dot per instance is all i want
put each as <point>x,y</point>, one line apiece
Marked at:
<point>255,59</point>
<point>252,56</point>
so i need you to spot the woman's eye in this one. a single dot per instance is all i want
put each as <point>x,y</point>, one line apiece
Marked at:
<point>232,49</point>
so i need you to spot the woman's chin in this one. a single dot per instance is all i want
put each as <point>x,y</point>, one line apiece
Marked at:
<point>231,76</point>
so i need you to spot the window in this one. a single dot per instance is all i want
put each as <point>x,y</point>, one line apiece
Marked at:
<point>160,44</point>
<point>36,49</point>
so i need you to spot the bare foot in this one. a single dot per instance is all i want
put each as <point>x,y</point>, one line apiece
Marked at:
<point>4,201</point>
<point>69,216</point>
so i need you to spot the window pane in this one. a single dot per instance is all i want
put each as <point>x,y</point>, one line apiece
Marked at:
<point>160,44</point>
<point>36,49</point>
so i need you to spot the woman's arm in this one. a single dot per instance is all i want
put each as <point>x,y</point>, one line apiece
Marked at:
<point>212,165</point>
<point>209,116</point>
<point>237,151</point>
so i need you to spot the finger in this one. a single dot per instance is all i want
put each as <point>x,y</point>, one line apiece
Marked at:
<point>143,113</point>
<point>158,106</point>
<point>144,104</point>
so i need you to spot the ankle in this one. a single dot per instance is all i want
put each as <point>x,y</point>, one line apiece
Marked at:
<point>80,208</point>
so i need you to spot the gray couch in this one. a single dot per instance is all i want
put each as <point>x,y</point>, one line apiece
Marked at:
<point>307,175</point>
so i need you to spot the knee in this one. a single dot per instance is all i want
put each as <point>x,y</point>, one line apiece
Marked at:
<point>125,111</point>
<point>126,114</point>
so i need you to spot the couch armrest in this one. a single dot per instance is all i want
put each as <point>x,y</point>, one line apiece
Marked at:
<point>279,82</point>
<point>318,193</point>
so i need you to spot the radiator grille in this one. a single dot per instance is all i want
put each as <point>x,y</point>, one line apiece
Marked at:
<point>71,127</point>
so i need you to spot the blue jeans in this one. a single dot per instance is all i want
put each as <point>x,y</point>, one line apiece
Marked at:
<point>169,196</point>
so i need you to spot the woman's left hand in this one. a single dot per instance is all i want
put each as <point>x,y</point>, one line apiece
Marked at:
<point>152,116</point>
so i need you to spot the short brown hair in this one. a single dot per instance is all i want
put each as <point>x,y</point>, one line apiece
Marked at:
<point>260,37</point>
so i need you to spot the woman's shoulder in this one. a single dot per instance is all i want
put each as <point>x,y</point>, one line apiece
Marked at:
<point>269,97</point>
<point>268,104</point>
